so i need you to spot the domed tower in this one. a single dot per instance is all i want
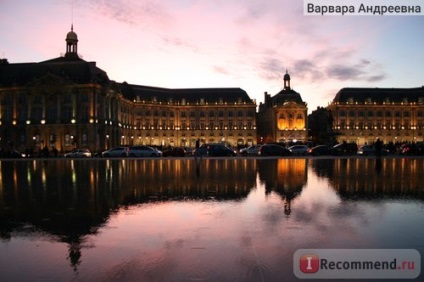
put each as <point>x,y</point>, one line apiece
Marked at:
<point>287,81</point>
<point>71,43</point>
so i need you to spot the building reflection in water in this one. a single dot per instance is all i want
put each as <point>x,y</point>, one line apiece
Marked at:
<point>373,178</point>
<point>70,200</point>
<point>287,177</point>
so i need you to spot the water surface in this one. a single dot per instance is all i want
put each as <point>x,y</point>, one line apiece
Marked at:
<point>221,220</point>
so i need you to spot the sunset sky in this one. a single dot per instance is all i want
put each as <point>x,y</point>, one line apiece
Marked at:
<point>221,43</point>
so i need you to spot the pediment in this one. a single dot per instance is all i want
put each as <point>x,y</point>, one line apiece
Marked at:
<point>292,104</point>
<point>50,80</point>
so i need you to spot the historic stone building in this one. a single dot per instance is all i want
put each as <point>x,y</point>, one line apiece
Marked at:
<point>178,117</point>
<point>283,117</point>
<point>362,115</point>
<point>67,102</point>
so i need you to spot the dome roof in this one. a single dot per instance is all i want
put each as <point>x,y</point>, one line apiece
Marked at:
<point>72,36</point>
<point>285,96</point>
<point>287,76</point>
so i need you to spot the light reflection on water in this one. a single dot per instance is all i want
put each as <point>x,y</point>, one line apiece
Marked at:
<point>225,220</point>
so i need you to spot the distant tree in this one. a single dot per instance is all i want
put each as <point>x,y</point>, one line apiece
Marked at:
<point>320,123</point>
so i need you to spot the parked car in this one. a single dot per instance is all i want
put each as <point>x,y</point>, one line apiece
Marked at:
<point>344,149</point>
<point>250,151</point>
<point>116,152</point>
<point>78,153</point>
<point>144,151</point>
<point>366,150</point>
<point>411,149</point>
<point>369,150</point>
<point>299,150</point>
<point>215,150</point>
<point>202,150</point>
<point>189,151</point>
<point>273,150</point>
<point>320,150</point>
<point>11,154</point>
<point>220,150</point>
<point>174,152</point>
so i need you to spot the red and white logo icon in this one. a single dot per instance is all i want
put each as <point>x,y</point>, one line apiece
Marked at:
<point>309,263</point>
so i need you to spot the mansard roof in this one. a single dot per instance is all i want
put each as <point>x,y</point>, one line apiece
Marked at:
<point>74,69</point>
<point>191,95</point>
<point>379,95</point>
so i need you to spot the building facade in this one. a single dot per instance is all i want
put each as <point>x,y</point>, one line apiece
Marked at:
<point>362,115</point>
<point>68,103</point>
<point>283,117</point>
<point>178,117</point>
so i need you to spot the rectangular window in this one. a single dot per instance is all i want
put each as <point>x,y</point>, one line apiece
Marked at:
<point>7,113</point>
<point>84,138</point>
<point>22,99</point>
<point>249,124</point>
<point>84,97</point>
<point>66,113</point>
<point>36,99</point>
<point>22,113</point>
<point>84,114</point>
<point>36,114</point>
<point>67,99</point>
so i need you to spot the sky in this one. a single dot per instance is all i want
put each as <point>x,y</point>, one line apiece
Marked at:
<point>248,44</point>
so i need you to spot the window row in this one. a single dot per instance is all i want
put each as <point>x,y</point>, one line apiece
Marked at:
<point>370,113</point>
<point>23,99</point>
<point>194,126</point>
<point>165,113</point>
<point>387,100</point>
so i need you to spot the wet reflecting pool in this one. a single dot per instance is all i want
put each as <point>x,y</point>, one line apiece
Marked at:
<point>216,220</point>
